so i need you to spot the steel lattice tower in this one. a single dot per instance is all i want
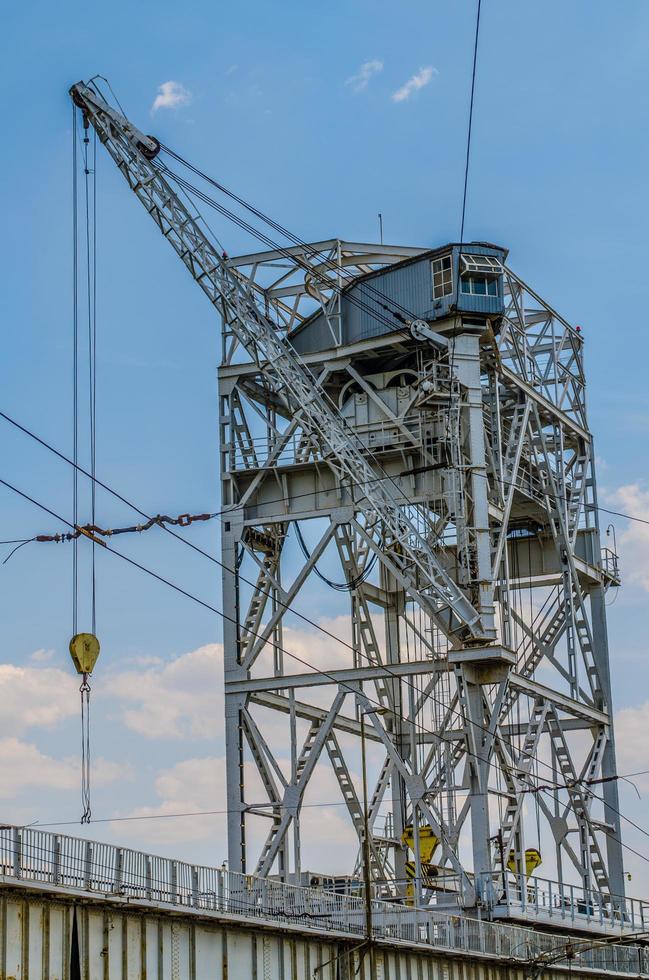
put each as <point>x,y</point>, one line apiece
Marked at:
<point>483,438</point>
<point>419,418</point>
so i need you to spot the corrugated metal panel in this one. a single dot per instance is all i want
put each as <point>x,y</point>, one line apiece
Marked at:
<point>406,286</point>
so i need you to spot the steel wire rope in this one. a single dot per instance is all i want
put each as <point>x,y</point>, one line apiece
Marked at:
<point>91,290</point>
<point>83,691</point>
<point>348,586</point>
<point>328,263</point>
<point>466,185</point>
<point>75,359</point>
<point>319,388</point>
<point>90,285</point>
<point>193,191</point>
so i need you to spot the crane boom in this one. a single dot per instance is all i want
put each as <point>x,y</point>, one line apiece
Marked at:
<point>376,494</point>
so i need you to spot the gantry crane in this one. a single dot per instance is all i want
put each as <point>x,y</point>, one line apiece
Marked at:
<point>507,456</point>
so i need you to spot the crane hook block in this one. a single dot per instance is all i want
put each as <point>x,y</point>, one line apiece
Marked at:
<point>84,650</point>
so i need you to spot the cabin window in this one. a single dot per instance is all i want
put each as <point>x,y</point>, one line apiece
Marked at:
<point>442,277</point>
<point>480,275</point>
<point>479,286</point>
<point>485,264</point>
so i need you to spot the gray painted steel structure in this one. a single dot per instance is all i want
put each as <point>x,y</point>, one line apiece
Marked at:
<point>455,484</point>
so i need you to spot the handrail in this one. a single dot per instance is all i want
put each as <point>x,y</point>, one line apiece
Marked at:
<point>31,855</point>
<point>542,897</point>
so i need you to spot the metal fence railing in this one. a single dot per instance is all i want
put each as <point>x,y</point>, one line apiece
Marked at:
<point>31,855</point>
<point>571,904</point>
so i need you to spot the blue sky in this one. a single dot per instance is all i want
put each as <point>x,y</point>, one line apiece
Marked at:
<point>558,173</point>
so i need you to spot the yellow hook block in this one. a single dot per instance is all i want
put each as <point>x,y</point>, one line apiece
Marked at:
<point>532,861</point>
<point>84,650</point>
<point>428,841</point>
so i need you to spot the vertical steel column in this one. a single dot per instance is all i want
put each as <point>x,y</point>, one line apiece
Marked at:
<point>610,791</point>
<point>231,531</point>
<point>478,780</point>
<point>394,600</point>
<point>466,360</point>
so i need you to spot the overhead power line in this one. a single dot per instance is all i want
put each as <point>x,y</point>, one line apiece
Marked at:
<point>226,616</point>
<point>162,520</point>
<point>313,667</point>
<point>213,559</point>
<point>226,568</point>
<point>221,613</point>
<point>211,813</point>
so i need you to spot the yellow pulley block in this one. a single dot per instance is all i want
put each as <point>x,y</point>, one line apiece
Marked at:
<point>428,841</point>
<point>532,861</point>
<point>84,650</point>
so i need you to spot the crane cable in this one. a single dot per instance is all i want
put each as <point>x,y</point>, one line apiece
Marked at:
<point>401,313</point>
<point>193,192</point>
<point>348,586</point>
<point>82,643</point>
<point>467,161</point>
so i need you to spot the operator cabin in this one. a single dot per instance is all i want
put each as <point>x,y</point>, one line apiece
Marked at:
<point>426,285</point>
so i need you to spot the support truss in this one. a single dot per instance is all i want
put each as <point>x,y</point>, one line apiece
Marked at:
<point>444,494</point>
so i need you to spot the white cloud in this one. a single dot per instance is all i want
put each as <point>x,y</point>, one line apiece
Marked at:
<point>633,540</point>
<point>197,786</point>
<point>36,697</point>
<point>171,95</point>
<point>24,766</point>
<point>422,78</point>
<point>632,742</point>
<point>42,656</point>
<point>367,70</point>
<point>176,699</point>
<point>183,698</point>
<point>192,786</point>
